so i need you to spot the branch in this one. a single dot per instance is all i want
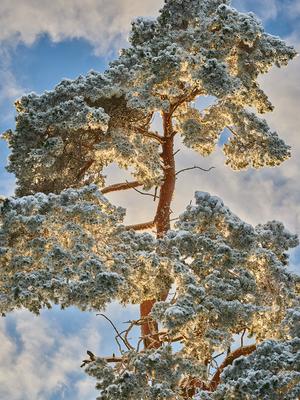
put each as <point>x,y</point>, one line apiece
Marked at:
<point>151,135</point>
<point>145,194</point>
<point>129,347</point>
<point>112,359</point>
<point>140,227</point>
<point>121,186</point>
<point>194,167</point>
<point>242,351</point>
<point>231,130</point>
<point>83,170</point>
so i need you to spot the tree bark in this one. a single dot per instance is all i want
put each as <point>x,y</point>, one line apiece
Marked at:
<point>162,220</point>
<point>242,351</point>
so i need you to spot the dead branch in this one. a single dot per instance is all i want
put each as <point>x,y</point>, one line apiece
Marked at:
<point>194,167</point>
<point>145,194</point>
<point>129,347</point>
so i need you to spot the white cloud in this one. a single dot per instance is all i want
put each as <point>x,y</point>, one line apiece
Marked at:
<point>39,358</point>
<point>99,22</point>
<point>267,9</point>
<point>104,24</point>
<point>9,87</point>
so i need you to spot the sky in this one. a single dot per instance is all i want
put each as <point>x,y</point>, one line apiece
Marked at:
<point>43,42</point>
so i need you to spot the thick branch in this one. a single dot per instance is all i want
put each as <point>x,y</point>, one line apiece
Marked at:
<point>121,186</point>
<point>140,227</point>
<point>242,351</point>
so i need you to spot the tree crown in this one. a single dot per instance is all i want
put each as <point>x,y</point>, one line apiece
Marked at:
<point>62,241</point>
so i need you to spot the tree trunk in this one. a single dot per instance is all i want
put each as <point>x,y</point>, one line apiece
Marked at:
<point>162,221</point>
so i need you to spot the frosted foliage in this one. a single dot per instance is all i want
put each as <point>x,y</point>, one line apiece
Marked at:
<point>71,249</point>
<point>64,138</point>
<point>252,143</point>
<point>151,375</point>
<point>229,276</point>
<point>53,250</point>
<point>271,372</point>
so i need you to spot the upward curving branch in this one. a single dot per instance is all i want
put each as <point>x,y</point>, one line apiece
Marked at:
<point>242,351</point>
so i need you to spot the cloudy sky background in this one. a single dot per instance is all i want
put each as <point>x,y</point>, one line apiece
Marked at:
<point>42,42</point>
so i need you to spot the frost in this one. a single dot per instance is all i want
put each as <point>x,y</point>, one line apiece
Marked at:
<point>62,241</point>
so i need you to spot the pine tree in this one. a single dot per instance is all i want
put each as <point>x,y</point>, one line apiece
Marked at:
<point>63,242</point>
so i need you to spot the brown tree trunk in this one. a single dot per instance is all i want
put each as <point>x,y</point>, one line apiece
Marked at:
<point>162,220</point>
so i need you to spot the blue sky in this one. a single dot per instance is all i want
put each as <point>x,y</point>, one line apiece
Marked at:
<point>41,45</point>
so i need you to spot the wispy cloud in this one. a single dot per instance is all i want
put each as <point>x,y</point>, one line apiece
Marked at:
<point>103,23</point>
<point>9,87</point>
<point>39,358</point>
<point>266,10</point>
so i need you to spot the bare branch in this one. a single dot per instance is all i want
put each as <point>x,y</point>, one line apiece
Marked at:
<point>144,193</point>
<point>121,186</point>
<point>194,167</point>
<point>242,337</point>
<point>155,193</point>
<point>142,226</point>
<point>118,334</point>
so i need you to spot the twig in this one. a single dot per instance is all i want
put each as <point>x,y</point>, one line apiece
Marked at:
<point>144,193</point>
<point>231,130</point>
<point>242,337</point>
<point>194,167</point>
<point>155,193</point>
<point>176,152</point>
<point>118,334</point>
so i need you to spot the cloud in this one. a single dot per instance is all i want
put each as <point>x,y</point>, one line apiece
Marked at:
<point>9,87</point>
<point>41,356</point>
<point>103,23</point>
<point>39,359</point>
<point>268,9</point>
